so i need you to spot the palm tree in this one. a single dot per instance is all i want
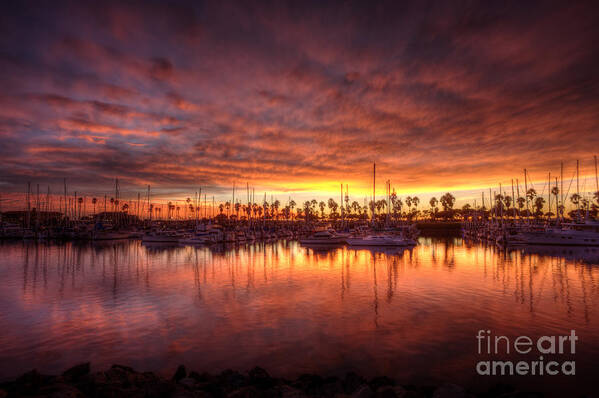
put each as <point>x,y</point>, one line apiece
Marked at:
<point>355,206</point>
<point>322,206</point>
<point>521,201</point>
<point>332,206</point>
<point>539,202</point>
<point>313,204</point>
<point>237,207</point>
<point>307,209</point>
<point>94,201</point>
<point>80,201</point>
<point>447,201</point>
<point>498,204</point>
<point>276,206</point>
<point>555,192</point>
<point>530,195</point>
<point>415,202</point>
<point>409,203</point>
<point>576,200</point>
<point>286,211</point>
<point>433,202</point>
<point>585,204</point>
<point>188,201</point>
<point>508,201</point>
<point>292,205</point>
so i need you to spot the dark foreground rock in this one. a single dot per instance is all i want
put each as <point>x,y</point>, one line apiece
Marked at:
<point>123,381</point>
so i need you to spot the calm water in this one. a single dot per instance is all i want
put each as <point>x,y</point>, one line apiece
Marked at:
<point>412,315</point>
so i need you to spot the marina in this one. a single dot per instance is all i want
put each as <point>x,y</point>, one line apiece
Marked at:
<point>383,199</point>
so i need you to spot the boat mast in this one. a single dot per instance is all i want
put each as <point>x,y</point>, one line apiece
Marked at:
<point>577,191</point>
<point>556,203</point>
<point>526,195</point>
<point>483,198</point>
<point>596,178</point>
<point>342,209</point>
<point>65,199</point>
<point>561,179</point>
<point>28,222</point>
<point>373,189</point>
<point>513,200</point>
<point>517,194</point>
<point>549,195</point>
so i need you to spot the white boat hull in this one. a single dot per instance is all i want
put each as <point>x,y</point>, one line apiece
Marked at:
<point>392,242</point>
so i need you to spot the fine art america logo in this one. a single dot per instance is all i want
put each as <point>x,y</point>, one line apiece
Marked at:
<point>489,344</point>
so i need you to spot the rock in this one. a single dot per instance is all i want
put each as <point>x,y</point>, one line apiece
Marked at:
<point>210,388</point>
<point>380,381</point>
<point>76,372</point>
<point>260,378</point>
<point>123,368</point>
<point>450,391</point>
<point>188,382</point>
<point>309,383</point>
<point>352,382</point>
<point>332,386</point>
<point>200,377</point>
<point>230,380</point>
<point>391,392</point>
<point>180,373</point>
<point>286,391</point>
<point>245,392</point>
<point>364,391</point>
<point>33,377</point>
<point>523,394</point>
<point>61,390</point>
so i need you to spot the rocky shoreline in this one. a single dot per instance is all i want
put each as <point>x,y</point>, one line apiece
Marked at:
<point>123,381</point>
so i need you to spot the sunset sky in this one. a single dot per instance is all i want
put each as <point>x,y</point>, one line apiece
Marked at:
<point>295,98</point>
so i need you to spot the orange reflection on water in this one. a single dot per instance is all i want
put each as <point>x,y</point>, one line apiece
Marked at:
<point>410,314</point>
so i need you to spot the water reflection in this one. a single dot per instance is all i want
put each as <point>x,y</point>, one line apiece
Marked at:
<point>289,308</point>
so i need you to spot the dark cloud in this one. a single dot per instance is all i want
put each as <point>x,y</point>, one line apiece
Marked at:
<point>295,95</point>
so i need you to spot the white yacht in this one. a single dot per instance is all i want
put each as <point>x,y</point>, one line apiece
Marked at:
<point>161,237</point>
<point>326,237</point>
<point>198,239</point>
<point>380,240</point>
<point>569,234</point>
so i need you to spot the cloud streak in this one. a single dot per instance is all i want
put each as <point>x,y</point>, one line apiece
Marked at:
<point>442,96</point>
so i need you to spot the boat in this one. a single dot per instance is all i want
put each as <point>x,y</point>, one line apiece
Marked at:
<point>380,240</point>
<point>161,237</point>
<point>196,240</point>
<point>568,234</point>
<point>110,235</point>
<point>326,237</point>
